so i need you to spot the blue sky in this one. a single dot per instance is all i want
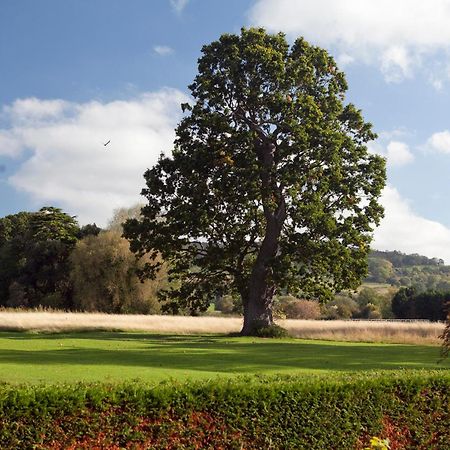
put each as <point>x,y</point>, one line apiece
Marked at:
<point>76,73</point>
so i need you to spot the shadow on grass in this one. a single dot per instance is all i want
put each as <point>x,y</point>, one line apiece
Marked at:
<point>212,353</point>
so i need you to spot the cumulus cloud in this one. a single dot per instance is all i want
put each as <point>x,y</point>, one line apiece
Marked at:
<point>34,109</point>
<point>69,165</point>
<point>404,230</point>
<point>397,153</point>
<point>163,50</point>
<point>9,145</point>
<point>439,142</point>
<point>395,35</point>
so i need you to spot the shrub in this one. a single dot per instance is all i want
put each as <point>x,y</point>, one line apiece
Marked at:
<point>302,309</point>
<point>271,331</point>
<point>267,412</point>
<point>343,307</point>
<point>290,307</point>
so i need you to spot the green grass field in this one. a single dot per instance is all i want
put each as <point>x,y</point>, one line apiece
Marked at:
<point>113,357</point>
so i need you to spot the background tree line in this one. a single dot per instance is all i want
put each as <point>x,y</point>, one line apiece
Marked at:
<point>398,269</point>
<point>48,260</point>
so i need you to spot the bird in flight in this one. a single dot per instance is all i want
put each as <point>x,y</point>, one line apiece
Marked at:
<point>107,143</point>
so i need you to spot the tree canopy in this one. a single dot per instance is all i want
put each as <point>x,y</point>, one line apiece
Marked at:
<point>34,251</point>
<point>270,186</point>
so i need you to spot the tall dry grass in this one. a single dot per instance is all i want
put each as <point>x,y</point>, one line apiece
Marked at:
<point>419,332</point>
<point>338,330</point>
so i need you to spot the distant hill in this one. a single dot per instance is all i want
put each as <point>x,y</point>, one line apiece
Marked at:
<point>399,259</point>
<point>400,269</point>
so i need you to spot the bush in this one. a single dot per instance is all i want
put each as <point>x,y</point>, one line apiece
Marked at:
<point>269,331</point>
<point>290,307</point>
<point>302,309</point>
<point>343,307</point>
<point>252,413</point>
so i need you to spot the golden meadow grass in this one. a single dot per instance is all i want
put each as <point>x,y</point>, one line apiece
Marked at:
<point>338,330</point>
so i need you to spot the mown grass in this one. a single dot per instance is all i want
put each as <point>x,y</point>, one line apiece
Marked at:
<point>115,356</point>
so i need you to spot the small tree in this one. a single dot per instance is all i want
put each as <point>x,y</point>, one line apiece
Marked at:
<point>103,273</point>
<point>270,185</point>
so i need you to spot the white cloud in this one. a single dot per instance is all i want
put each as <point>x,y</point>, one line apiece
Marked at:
<point>439,142</point>
<point>178,5</point>
<point>404,230</point>
<point>396,64</point>
<point>33,109</point>
<point>163,50</point>
<point>69,165</point>
<point>397,153</point>
<point>395,35</point>
<point>9,145</point>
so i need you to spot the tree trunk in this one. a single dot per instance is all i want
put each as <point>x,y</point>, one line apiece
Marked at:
<point>261,287</point>
<point>258,302</point>
<point>258,312</point>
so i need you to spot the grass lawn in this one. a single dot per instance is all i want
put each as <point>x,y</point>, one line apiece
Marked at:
<point>120,356</point>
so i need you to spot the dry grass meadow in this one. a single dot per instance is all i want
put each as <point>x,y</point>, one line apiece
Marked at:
<point>419,332</point>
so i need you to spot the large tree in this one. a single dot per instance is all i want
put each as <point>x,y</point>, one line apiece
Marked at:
<point>270,186</point>
<point>34,251</point>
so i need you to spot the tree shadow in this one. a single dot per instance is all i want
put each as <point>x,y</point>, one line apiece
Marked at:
<point>215,353</point>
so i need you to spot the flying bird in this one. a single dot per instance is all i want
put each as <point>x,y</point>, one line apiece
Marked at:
<point>107,143</point>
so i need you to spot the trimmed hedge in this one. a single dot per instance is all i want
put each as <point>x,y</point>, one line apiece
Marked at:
<point>250,413</point>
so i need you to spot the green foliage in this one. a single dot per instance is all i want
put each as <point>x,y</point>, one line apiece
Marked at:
<point>34,255</point>
<point>91,229</point>
<point>342,307</point>
<point>372,304</point>
<point>268,331</point>
<point>410,304</point>
<point>270,186</point>
<point>399,269</point>
<point>277,412</point>
<point>380,270</point>
<point>104,277</point>
<point>399,259</point>
<point>13,239</point>
<point>38,267</point>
